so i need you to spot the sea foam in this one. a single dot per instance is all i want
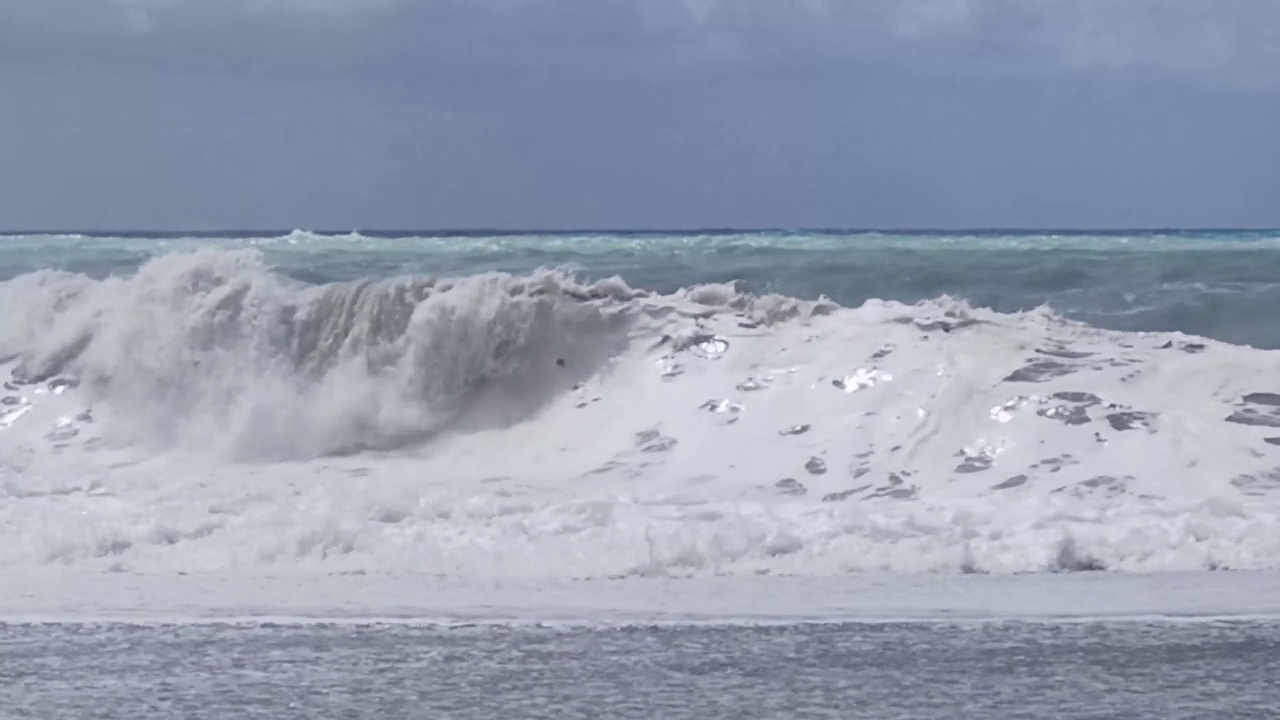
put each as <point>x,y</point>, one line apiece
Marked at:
<point>208,414</point>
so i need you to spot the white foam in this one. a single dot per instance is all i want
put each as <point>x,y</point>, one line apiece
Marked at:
<point>303,598</point>
<point>220,392</point>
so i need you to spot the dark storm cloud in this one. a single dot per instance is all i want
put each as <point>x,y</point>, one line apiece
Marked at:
<point>560,113</point>
<point>1227,41</point>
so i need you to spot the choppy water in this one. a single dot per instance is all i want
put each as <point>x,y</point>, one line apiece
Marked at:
<point>1167,671</point>
<point>393,407</point>
<point>1217,284</point>
<point>505,406</point>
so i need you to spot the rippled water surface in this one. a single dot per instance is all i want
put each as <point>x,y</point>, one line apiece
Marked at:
<point>984,670</point>
<point>1210,283</point>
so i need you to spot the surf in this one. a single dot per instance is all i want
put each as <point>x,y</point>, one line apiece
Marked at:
<point>207,412</point>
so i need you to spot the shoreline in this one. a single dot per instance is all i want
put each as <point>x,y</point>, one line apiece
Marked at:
<point>313,598</point>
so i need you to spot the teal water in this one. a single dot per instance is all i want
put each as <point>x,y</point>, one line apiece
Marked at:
<point>1220,285</point>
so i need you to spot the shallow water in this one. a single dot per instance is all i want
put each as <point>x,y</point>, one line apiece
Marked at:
<point>1218,669</point>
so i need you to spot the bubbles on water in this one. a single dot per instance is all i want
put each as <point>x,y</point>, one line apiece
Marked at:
<point>1013,482</point>
<point>1262,398</point>
<point>65,427</point>
<point>861,379</point>
<point>1073,410</point>
<point>707,346</point>
<point>977,458</point>
<point>790,486</point>
<point>1122,421</point>
<point>816,466</point>
<point>1079,398</point>
<point>1039,371</point>
<point>844,494</point>
<point>669,368</point>
<point>722,406</point>
<point>10,414</point>
<point>1004,412</point>
<point>61,385</point>
<point>731,410</point>
<point>1066,414</point>
<point>1258,409</point>
<point>752,384</point>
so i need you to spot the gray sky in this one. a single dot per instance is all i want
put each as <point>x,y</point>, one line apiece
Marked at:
<point>638,113</point>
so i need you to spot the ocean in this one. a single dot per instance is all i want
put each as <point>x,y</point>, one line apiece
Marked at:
<point>879,672</point>
<point>846,474</point>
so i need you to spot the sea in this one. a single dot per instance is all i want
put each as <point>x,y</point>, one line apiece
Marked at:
<point>915,474</point>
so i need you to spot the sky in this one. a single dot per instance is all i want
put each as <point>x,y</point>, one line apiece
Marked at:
<point>628,114</point>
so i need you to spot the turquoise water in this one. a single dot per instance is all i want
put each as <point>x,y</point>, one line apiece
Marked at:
<point>1220,285</point>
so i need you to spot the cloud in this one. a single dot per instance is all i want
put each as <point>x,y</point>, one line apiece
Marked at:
<point>1226,38</point>
<point>1226,42</point>
<point>347,113</point>
<point>1230,41</point>
<point>249,8</point>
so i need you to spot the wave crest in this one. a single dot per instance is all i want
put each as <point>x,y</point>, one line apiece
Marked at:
<point>213,344</point>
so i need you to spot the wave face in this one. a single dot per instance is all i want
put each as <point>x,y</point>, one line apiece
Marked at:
<point>1211,284</point>
<point>329,407</point>
<point>213,346</point>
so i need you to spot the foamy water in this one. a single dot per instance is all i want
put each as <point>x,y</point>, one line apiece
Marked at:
<point>208,414</point>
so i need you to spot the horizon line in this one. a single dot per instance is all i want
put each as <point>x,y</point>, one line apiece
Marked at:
<point>728,230</point>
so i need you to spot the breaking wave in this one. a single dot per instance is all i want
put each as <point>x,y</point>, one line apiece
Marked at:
<point>505,424</point>
<point>213,344</point>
